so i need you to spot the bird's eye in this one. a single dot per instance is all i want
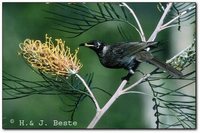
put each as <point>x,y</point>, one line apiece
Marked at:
<point>98,44</point>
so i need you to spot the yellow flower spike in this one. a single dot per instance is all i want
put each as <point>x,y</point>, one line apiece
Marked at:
<point>48,57</point>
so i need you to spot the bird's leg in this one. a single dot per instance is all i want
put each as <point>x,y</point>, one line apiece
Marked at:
<point>131,69</point>
<point>127,77</point>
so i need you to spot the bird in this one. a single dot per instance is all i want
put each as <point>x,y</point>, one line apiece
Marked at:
<point>128,55</point>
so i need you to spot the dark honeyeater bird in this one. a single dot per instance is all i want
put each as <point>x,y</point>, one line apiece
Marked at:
<point>128,56</point>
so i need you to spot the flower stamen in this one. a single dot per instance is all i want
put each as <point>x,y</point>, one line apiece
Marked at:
<point>50,58</point>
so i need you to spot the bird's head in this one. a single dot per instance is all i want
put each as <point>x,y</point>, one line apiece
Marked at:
<point>95,45</point>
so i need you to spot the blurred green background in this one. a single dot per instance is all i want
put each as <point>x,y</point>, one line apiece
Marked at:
<point>27,20</point>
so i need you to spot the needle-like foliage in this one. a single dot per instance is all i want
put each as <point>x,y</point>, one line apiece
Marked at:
<point>85,16</point>
<point>176,102</point>
<point>70,90</point>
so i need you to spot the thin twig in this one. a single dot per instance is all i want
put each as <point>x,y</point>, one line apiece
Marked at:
<point>177,17</point>
<point>169,26</point>
<point>137,21</point>
<point>136,83</point>
<point>138,92</point>
<point>90,92</point>
<point>170,60</point>
<point>160,23</point>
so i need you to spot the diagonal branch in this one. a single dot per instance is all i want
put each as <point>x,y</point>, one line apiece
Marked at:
<point>170,60</point>
<point>90,92</point>
<point>136,83</point>
<point>100,113</point>
<point>160,23</point>
<point>137,21</point>
<point>177,17</point>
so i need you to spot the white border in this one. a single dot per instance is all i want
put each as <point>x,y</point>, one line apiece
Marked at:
<point>116,131</point>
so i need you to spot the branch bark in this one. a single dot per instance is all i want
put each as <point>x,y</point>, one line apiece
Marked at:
<point>181,14</point>
<point>90,92</point>
<point>137,21</point>
<point>160,23</point>
<point>100,113</point>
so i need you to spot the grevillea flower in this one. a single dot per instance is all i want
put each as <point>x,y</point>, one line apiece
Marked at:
<point>48,57</point>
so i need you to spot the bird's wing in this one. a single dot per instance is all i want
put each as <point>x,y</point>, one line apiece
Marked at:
<point>130,48</point>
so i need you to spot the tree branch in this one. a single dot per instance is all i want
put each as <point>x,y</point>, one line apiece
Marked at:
<point>90,92</point>
<point>136,83</point>
<point>170,60</point>
<point>158,27</point>
<point>181,14</point>
<point>138,92</point>
<point>100,113</point>
<point>137,21</point>
<point>120,91</point>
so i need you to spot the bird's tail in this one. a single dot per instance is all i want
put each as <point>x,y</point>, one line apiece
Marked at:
<point>166,67</point>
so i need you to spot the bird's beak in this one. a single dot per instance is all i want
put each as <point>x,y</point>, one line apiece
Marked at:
<point>86,45</point>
